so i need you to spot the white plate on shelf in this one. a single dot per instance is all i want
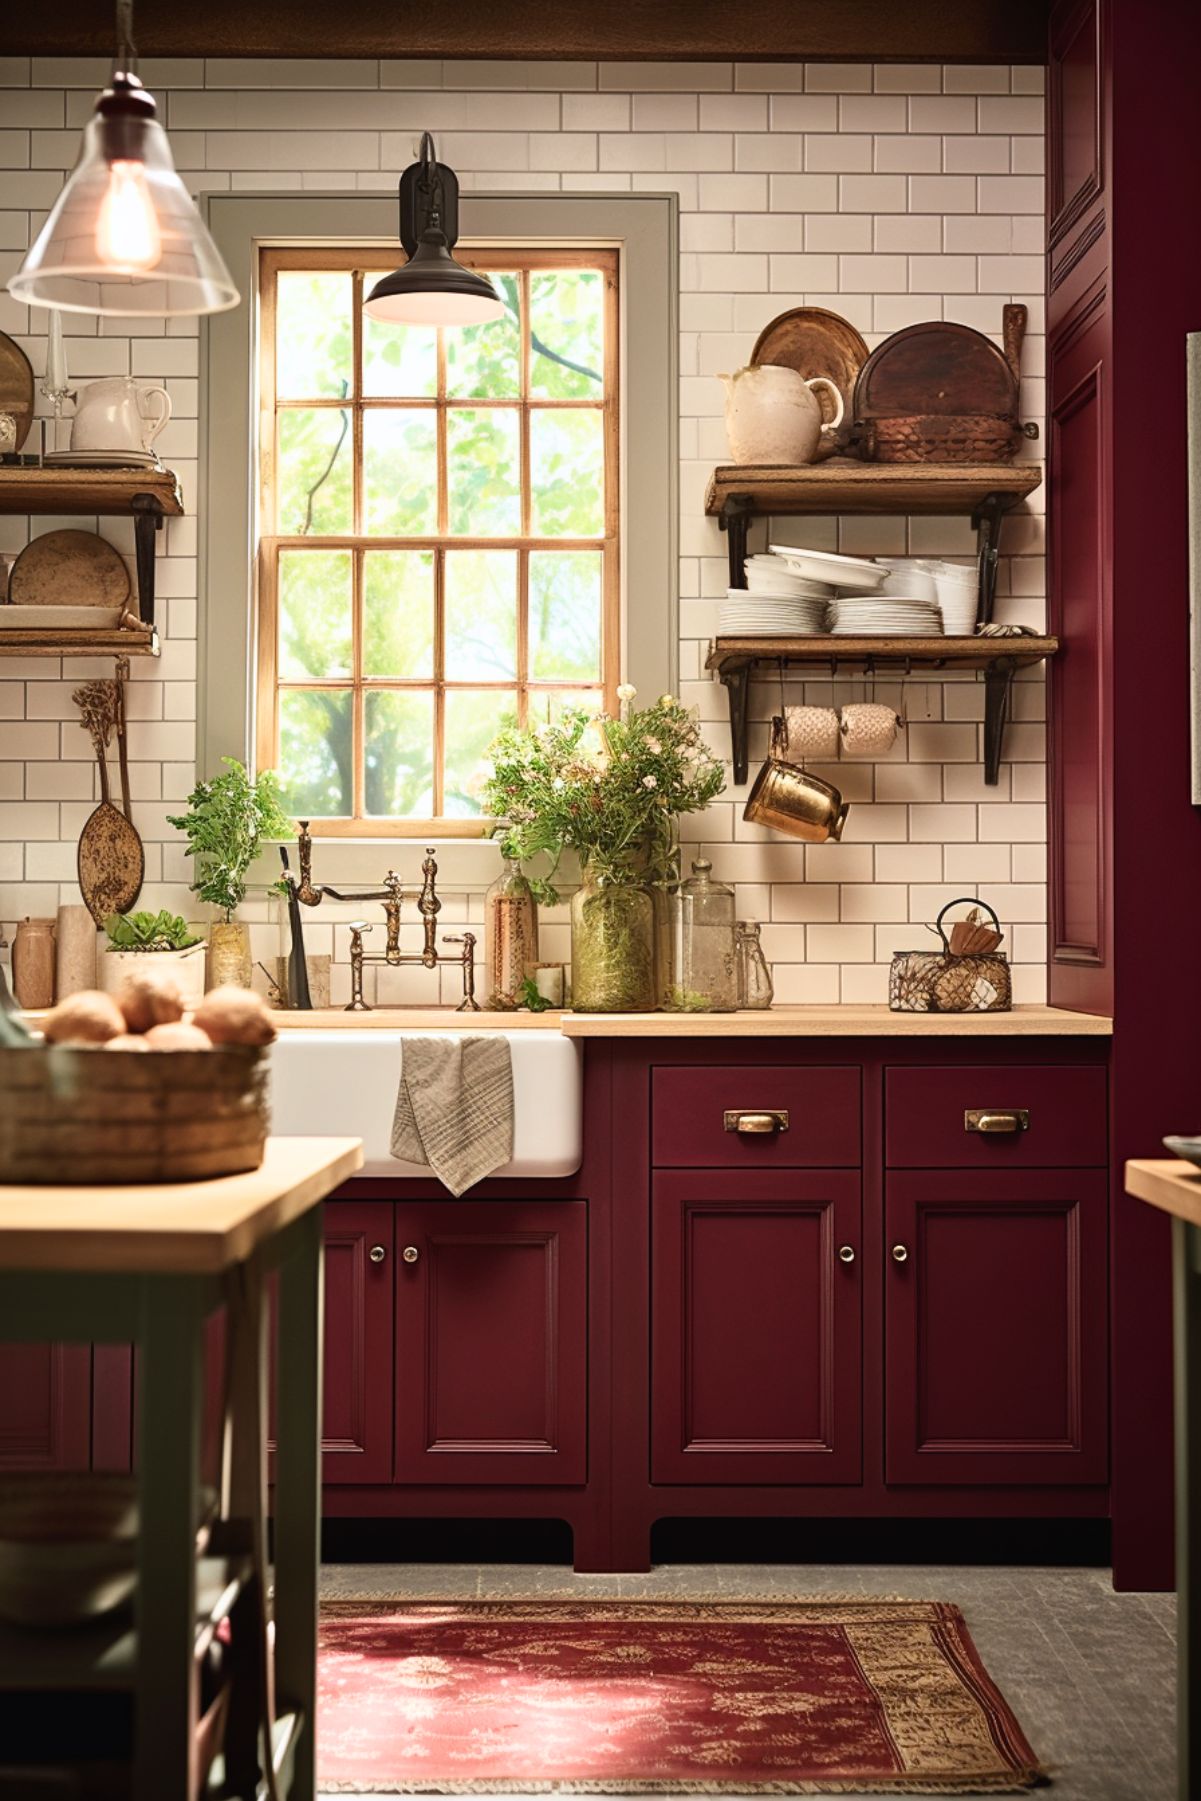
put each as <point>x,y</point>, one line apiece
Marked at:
<point>67,619</point>
<point>102,459</point>
<point>825,566</point>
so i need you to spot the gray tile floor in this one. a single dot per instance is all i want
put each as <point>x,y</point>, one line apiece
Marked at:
<point>1089,1673</point>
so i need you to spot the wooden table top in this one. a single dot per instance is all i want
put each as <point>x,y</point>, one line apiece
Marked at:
<point>171,1228</point>
<point>1167,1182</point>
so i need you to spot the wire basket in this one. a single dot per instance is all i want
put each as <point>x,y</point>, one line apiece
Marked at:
<point>941,982</point>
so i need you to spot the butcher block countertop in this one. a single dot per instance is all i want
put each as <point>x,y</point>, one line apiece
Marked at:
<point>777,1022</point>
<point>179,1228</point>
<point>1167,1182</point>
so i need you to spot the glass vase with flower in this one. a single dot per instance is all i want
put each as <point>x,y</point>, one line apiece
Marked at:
<point>611,790</point>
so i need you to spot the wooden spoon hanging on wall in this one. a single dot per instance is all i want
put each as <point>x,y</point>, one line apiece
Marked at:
<point>111,861</point>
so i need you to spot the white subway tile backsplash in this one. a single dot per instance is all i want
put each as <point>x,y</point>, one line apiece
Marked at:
<point>890,195</point>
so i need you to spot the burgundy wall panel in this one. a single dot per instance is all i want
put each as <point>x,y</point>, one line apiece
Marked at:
<point>491,1342</point>
<point>45,1406</point>
<point>756,1355</point>
<point>996,1327</point>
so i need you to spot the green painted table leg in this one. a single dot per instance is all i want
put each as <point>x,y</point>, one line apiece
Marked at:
<point>168,1478</point>
<point>1186,1262</point>
<point>298,1491</point>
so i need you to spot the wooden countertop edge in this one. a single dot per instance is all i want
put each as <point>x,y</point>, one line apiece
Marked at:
<point>1168,1183</point>
<point>185,1228</point>
<point>779,1022</point>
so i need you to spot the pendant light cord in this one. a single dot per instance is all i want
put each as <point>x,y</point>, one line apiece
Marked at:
<point>127,53</point>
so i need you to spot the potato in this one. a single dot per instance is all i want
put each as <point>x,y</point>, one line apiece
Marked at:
<point>178,1036</point>
<point>235,1016</point>
<point>128,1041</point>
<point>150,997</point>
<point>86,1018</point>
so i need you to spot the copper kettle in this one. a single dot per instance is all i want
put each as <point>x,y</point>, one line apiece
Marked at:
<point>793,800</point>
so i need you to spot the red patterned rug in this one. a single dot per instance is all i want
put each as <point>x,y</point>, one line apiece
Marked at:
<point>660,1697</point>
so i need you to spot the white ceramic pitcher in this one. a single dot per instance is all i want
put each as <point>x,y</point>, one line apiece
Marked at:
<point>772,415</point>
<point>119,414</point>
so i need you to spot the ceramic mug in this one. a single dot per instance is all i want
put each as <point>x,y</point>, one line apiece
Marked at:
<point>868,729</point>
<point>810,734</point>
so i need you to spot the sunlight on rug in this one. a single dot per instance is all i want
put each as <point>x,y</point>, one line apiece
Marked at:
<point>660,1697</point>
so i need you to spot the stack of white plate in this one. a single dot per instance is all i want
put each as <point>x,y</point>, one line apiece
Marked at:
<point>825,566</point>
<point>766,574</point>
<point>746,615</point>
<point>887,615</point>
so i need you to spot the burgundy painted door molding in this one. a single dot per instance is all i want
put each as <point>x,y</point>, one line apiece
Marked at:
<point>45,1407</point>
<point>756,1327</point>
<point>491,1342</point>
<point>996,1309</point>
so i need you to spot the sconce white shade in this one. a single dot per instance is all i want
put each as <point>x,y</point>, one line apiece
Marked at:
<point>124,238</point>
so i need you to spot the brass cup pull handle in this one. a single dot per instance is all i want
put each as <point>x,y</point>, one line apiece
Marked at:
<point>410,1253</point>
<point>996,1122</point>
<point>761,1124</point>
<point>846,1253</point>
<point>900,1253</point>
<point>377,1253</point>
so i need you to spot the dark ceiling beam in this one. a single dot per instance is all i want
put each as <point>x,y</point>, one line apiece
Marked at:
<point>635,30</point>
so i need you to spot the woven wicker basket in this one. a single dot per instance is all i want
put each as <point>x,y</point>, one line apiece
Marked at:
<point>945,438</point>
<point>79,1114</point>
<point>941,982</point>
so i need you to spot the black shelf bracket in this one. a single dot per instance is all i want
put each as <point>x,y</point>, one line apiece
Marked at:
<point>987,521</point>
<point>147,520</point>
<point>736,679</point>
<point>998,693</point>
<point>735,520</point>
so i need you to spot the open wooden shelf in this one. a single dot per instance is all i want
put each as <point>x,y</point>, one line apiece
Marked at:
<point>111,492</point>
<point>114,641</point>
<point>733,659</point>
<point>843,485</point>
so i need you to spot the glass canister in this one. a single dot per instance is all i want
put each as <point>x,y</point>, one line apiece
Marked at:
<point>755,986</point>
<point>510,935</point>
<point>612,947</point>
<point>702,977</point>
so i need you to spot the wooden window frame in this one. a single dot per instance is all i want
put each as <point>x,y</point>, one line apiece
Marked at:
<point>355,259</point>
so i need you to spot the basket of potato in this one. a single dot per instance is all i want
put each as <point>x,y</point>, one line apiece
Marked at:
<point>131,1088</point>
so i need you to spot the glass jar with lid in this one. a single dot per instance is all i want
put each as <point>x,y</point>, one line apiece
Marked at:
<point>755,986</point>
<point>701,977</point>
<point>510,936</point>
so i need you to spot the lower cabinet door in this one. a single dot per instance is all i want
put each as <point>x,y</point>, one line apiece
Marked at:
<point>45,1407</point>
<point>996,1326</point>
<point>491,1341</point>
<point>356,1416</point>
<point>756,1316</point>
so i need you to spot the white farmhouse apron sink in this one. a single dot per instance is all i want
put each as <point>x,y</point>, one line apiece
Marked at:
<point>344,1083</point>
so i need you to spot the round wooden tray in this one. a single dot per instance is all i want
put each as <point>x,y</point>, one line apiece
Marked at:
<point>81,1114</point>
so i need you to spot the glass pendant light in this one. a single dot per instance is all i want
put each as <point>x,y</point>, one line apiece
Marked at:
<point>124,238</point>
<point>431,288</point>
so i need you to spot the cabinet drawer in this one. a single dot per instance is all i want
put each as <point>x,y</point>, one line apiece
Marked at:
<point>926,1117</point>
<point>695,1117</point>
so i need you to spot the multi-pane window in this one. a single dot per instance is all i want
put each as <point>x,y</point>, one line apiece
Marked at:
<point>438,530</point>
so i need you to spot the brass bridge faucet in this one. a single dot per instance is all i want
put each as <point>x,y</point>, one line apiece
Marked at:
<point>393,895</point>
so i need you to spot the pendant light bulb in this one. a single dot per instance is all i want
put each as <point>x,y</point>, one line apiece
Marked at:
<point>128,238</point>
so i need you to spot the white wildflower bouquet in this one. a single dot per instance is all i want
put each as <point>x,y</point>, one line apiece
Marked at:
<point>608,789</point>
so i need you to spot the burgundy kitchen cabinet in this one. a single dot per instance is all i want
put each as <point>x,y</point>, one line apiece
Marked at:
<point>491,1342</point>
<point>356,1421</point>
<point>996,1326</point>
<point>45,1407</point>
<point>756,1308</point>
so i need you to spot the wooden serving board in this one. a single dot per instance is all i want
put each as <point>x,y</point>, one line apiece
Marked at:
<point>69,568</point>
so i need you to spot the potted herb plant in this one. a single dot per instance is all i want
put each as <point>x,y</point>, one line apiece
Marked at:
<point>612,790</point>
<point>163,939</point>
<point>229,819</point>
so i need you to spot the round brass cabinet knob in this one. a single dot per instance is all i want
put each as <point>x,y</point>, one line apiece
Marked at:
<point>377,1253</point>
<point>900,1253</point>
<point>846,1253</point>
<point>410,1253</point>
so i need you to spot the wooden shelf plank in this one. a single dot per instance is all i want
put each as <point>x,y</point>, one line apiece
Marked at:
<point>102,491</point>
<point>46,641</point>
<point>960,653</point>
<point>842,485</point>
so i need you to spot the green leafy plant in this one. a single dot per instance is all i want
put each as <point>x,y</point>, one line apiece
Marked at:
<point>228,820</point>
<point>531,998</point>
<point>609,789</point>
<point>161,931</point>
